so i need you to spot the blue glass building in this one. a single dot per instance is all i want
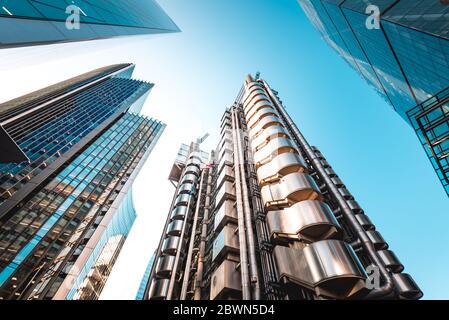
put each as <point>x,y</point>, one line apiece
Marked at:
<point>146,276</point>
<point>103,252</point>
<point>405,58</point>
<point>32,22</point>
<point>85,142</point>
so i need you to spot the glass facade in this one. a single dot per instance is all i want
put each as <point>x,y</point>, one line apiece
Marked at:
<point>29,22</point>
<point>49,133</point>
<point>406,60</point>
<point>96,269</point>
<point>88,147</point>
<point>146,276</point>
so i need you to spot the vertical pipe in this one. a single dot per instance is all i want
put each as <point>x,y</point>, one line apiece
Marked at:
<point>249,227</point>
<point>241,223</point>
<point>185,281</point>
<point>199,273</point>
<point>367,245</point>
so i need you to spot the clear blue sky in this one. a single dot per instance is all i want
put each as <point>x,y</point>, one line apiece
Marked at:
<point>198,73</point>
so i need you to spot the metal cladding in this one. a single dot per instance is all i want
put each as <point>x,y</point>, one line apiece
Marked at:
<point>309,220</point>
<point>330,267</point>
<point>308,238</point>
<point>274,220</point>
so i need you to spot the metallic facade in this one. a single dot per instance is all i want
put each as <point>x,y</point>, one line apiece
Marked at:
<point>266,217</point>
<point>406,59</point>
<point>84,142</point>
<point>32,22</point>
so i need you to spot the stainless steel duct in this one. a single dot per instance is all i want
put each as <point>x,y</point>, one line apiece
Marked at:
<point>241,222</point>
<point>247,210</point>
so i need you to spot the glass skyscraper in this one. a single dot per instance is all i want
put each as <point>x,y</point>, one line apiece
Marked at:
<point>32,22</point>
<point>143,283</point>
<point>405,57</point>
<point>78,146</point>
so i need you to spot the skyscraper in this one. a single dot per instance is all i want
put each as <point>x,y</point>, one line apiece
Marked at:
<point>76,148</point>
<point>266,217</point>
<point>401,48</point>
<point>32,22</point>
<point>144,281</point>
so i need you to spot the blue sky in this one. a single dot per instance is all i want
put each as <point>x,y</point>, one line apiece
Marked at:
<point>198,72</point>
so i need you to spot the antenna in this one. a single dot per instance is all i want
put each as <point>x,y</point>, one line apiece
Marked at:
<point>201,140</point>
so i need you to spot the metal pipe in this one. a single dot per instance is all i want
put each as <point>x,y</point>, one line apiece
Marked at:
<point>199,272</point>
<point>368,246</point>
<point>241,223</point>
<point>185,281</point>
<point>249,226</point>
